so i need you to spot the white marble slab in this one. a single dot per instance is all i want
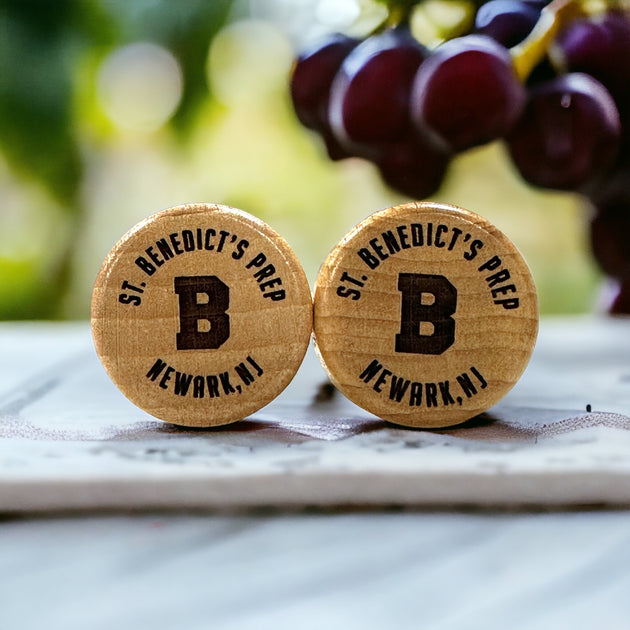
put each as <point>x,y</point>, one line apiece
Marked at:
<point>70,440</point>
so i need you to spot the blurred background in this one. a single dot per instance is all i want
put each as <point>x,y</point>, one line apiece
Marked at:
<point>111,110</point>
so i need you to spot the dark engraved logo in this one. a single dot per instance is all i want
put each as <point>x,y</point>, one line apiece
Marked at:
<point>203,320</point>
<point>427,305</point>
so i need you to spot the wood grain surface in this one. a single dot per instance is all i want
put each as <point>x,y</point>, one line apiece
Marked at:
<point>425,314</point>
<point>201,315</point>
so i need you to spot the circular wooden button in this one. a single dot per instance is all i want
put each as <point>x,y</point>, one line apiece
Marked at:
<point>425,315</point>
<point>201,315</point>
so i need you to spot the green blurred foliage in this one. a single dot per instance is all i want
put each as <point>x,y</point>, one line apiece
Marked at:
<point>42,42</point>
<point>185,28</point>
<point>36,127</point>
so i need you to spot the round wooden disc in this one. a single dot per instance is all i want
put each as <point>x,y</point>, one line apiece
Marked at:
<point>201,315</point>
<point>425,315</point>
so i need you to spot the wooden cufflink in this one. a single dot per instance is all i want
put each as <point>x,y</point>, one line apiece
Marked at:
<point>201,315</point>
<point>425,315</point>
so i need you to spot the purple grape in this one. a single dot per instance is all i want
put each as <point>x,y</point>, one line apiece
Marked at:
<point>508,22</point>
<point>613,189</point>
<point>413,167</point>
<point>312,76</point>
<point>599,47</point>
<point>335,151</point>
<point>610,237</point>
<point>621,302</point>
<point>467,93</point>
<point>369,101</point>
<point>537,4</point>
<point>568,133</point>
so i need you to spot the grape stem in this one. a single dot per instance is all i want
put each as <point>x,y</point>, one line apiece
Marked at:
<point>399,15</point>
<point>532,50</point>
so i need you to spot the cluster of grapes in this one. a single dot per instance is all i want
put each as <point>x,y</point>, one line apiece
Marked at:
<point>550,79</point>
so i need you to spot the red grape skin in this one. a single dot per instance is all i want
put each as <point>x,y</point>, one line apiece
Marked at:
<point>610,233</point>
<point>610,237</point>
<point>312,76</point>
<point>506,21</point>
<point>621,303</point>
<point>369,113</point>
<point>599,47</point>
<point>369,101</point>
<point>568,133</point>
<point>466,94</point>
<point>413,167</point>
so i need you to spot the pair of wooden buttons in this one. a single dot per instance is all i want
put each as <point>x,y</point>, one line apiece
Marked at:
<point>424,314</point>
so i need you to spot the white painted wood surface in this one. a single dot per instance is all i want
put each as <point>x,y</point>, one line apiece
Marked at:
<point>70,440</point>
<point>357,571</point>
